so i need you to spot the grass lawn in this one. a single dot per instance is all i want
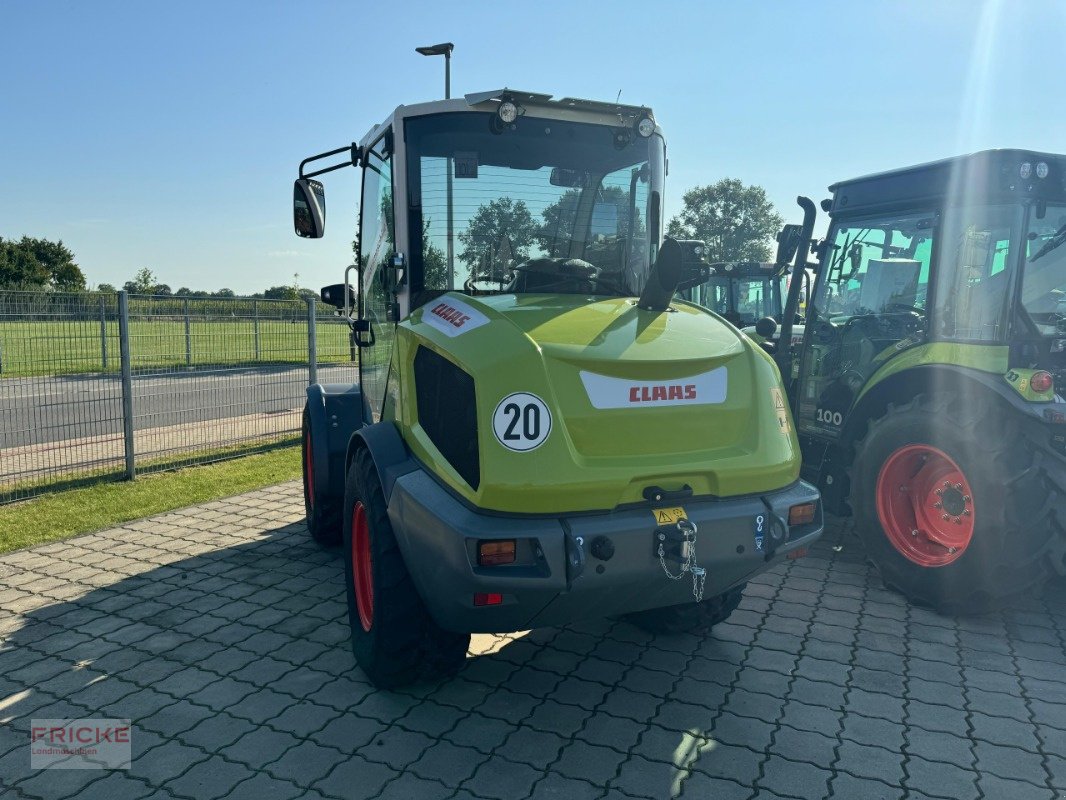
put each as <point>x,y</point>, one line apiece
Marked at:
<point>68,513</point>
<point>76,346</point>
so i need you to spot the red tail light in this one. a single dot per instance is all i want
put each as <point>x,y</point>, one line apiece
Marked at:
<point>1042,382</point>
<point>487,599</point>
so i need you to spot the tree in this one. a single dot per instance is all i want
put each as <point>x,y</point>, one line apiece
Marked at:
<point>496,221</point>
<point>106,287</point>
<point>223,293</point>
<point>143,282</point>
<point>38,263</point>
<point>737,222</point>
<point>162,290</point>
<point>280,293</point>
<point>555,234</point>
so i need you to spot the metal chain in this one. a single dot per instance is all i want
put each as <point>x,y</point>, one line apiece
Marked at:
<point>699,574</point>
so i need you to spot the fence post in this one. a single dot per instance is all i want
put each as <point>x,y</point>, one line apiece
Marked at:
<point>312,343</point>
<point>103,332</point>
<point>127,381</point>
<point>188,336</point>
<point>255,309</point>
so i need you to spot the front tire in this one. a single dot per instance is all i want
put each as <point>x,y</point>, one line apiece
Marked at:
<point>394,638</point>
<point>323,514</point>
<point>954,505</point>
<point>689,617</point>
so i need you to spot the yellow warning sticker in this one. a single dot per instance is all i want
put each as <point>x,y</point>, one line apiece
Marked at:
<point>781,410</point>
<point>668,516</point>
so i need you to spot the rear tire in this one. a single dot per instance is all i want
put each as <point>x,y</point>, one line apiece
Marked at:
<point>323,514</point>
<point>689,617</point>
<point>394,638</point>
<point>1006,524</point>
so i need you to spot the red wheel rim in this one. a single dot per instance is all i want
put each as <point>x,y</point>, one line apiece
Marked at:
<point>361,573</point>
<point>309,470</point>
<point>925,505</point>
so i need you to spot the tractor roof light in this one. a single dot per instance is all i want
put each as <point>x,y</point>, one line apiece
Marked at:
<point>1041,169</point>
<point>645,126</point>
<point>507,111</point>
<point>1025,170</point>
<point>1042,382</point>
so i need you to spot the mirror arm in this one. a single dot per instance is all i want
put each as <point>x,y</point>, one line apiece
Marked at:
<point>356,155</point>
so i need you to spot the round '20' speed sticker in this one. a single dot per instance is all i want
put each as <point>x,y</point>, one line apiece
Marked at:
<point>521,422</point>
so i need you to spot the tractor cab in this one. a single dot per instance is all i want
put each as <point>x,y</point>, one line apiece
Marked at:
<point>928,383</point>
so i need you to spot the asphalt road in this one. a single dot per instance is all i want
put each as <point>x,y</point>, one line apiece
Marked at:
<point>41,410</point>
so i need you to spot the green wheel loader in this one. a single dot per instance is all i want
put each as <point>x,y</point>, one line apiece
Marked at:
<point>928,377</point>
<point>541,432</point>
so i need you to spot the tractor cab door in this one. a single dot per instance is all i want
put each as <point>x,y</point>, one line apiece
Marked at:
<point>869,305</point>
<point>378,279</point>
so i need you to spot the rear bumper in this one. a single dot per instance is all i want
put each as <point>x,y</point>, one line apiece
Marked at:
<point>556,578</point>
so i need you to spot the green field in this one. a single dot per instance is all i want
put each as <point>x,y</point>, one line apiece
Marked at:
<point>68,347</point>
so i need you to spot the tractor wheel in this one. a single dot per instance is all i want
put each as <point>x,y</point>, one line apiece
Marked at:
<point>959,506</point>
<point>395,640</point>
<point>689,617</point>
<point>323,513</point>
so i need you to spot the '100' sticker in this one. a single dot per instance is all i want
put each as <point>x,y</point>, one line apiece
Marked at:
<point>521,422</point>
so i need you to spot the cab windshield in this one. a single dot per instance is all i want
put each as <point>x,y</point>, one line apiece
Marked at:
<point>742,300</point>
<point>1044,273</point>
<point>543,206</point>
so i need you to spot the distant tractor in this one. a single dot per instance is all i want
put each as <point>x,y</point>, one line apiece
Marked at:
<point>541,431</point>
<point>928,380</point>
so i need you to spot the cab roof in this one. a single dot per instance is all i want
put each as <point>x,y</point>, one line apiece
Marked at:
<point>987,176</point>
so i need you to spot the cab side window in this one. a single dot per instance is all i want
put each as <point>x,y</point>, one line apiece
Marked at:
<point>870,305</point>
<point>377,243</point>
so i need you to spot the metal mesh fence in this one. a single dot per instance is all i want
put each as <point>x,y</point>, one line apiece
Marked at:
<point>86,394</point>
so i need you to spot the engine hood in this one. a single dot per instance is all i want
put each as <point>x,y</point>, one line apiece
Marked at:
<point>582,403</point>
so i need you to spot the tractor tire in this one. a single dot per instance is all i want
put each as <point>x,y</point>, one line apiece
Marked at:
<point>960,502</point>
<point>323,514</point>
<point>394,638</point>
<point>689,617</point>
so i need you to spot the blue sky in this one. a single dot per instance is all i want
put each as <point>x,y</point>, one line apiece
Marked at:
<point>168,135</point>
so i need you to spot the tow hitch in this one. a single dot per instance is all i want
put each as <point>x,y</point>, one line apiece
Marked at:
<point>677,543</point>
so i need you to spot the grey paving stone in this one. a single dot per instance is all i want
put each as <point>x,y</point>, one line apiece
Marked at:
<point>260,746</point>
<point>872,731</point>
<point>355,778</point>
<point>305,763</point>
<point>165,762</point>
<point>875,763</point>
<point>115,786</point>
<point>699,786</point>
<point>486,734</point>
<point>991,786</point>
<point>554,786</point>
<point>448,764</point>
<point>396,747</point>
<point>798,745</point>
<point>848,786</point>
<point>262,786</point>
<point>639,777</point>
<point>210,779</point>
<point>937,746</point>
<point>588,762</point>
<point>1009,762</point>
<point>938,779</point>
<point>617,732</point>
<point>536,748</point>
<point>502,779</point>
<point>1001,731</point>
<point>795,779</point>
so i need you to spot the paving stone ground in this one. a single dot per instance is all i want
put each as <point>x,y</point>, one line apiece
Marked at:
<point>221,632</point>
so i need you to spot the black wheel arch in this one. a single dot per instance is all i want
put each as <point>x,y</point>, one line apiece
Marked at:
<point>931,379</point>
<point>388,452</point>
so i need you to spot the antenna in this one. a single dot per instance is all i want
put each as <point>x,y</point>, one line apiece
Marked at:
<point>619,96</point>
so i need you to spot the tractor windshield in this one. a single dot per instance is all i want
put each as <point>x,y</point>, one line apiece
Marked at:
<point>540,206</point>
<point>1044,273</point>
<point>742,300</point>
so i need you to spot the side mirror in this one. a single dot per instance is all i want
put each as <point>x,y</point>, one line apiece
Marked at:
<point>309,208</point>
<point>334,295</point>
<point>694,270</point>
<point>766,327</point>
<point>788,242</point>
